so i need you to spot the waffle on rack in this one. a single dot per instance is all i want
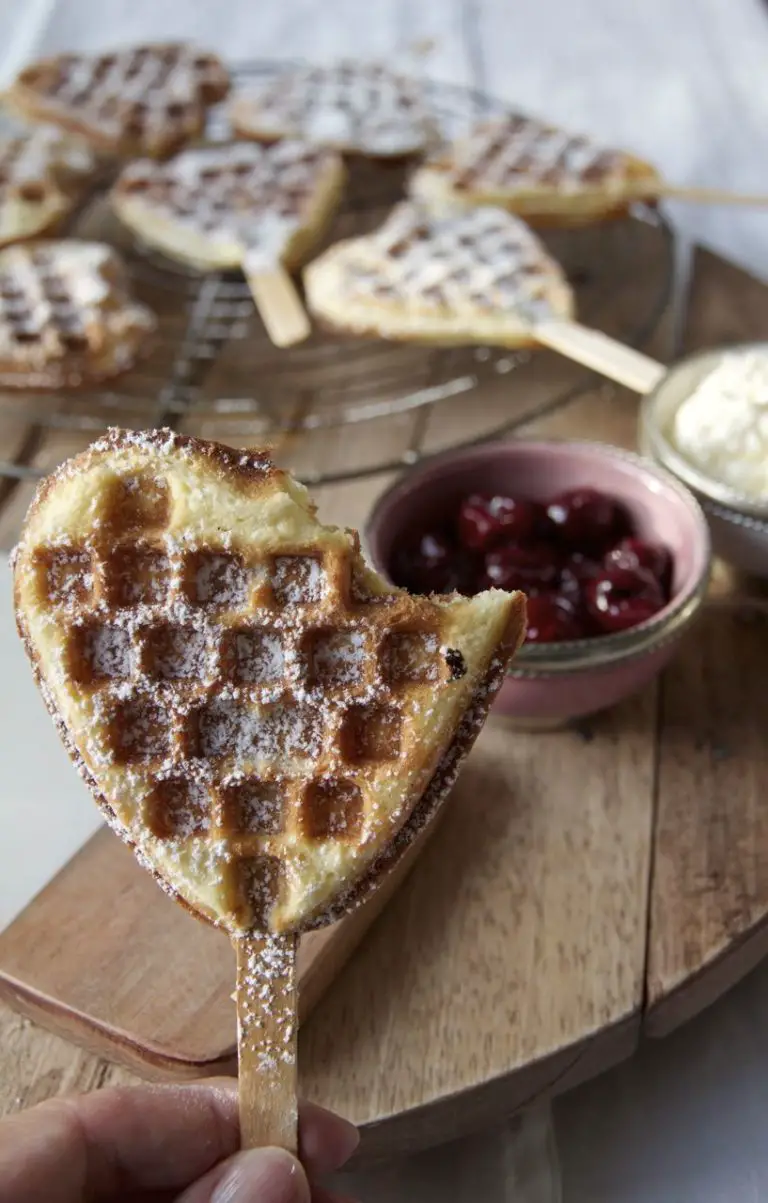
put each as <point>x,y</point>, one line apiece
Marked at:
<point>218,206</point>
<point>66,317</point>
<point>145,100</point>
<point>536,170</point>
<point>42,173</point>
<point>360,108</point>
<point>257,711</point>
<point>474,276</point>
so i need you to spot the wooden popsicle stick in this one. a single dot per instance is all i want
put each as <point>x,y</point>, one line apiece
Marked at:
<point>701,196</point>
<point>267,1027</point>
<point>601,353</point>
<point>279,305</point>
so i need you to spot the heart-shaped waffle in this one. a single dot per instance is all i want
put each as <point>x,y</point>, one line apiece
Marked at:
<point>257,712</point>
<point>66,317</point>
<point>470,276</point>
<point>144,100</point>
<point>222,206</point>
<point>361,108</point>
<point>536,170</point>
<point>42,172</point>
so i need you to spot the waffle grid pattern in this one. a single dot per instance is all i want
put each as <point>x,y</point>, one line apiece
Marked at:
<point>65,315</point>
<point>345,104</point>
<point>231,186</point>
<point>206,672</point>
<point>520,151</point>
<point>38,306</point>
<point>25,171</point>
<point>152,96</point>
<point>484,257</point>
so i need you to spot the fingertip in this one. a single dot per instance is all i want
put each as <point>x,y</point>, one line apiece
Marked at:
<point>253,1176</point>
<point>326,1140</point>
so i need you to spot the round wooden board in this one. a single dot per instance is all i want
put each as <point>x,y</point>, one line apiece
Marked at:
<point>584,885</point>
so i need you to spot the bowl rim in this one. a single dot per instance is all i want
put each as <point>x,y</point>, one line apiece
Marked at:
<point>700,484</point>
<point>549,659</point>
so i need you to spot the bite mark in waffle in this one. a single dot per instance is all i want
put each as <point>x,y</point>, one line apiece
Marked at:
<point>41,174</point>
<point>470,276</point>
<point>361,108</point>
<point>224,206</point>
<point>258,713</point>
<point>66,317</point>
<point>144,100</point>
<point>536,170</point>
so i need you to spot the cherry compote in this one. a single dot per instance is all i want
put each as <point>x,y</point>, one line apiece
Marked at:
<point>578,557</point>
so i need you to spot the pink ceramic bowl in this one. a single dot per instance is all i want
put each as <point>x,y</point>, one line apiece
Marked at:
<point>550,684</point>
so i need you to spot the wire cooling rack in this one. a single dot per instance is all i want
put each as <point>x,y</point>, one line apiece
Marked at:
<point>213,371</point>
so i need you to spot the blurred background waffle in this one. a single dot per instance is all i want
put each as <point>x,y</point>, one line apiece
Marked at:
<point>213,372</point>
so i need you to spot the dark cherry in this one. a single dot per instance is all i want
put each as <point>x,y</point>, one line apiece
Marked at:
<point>464,574</point>
<point>636,553</point>
<point>552,619</point>
<point>586,520</point>
<point>431,564</point>
<point>621,598</point>
<point>576,571</point>
<point>422,564</point>
<point>484,522</point>
<point>533,569</point>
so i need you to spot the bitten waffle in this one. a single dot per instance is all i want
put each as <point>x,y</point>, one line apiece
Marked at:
<point>227,206</point>
<point>535,170</point>
<point>476,276</point>
<point>42,173</point>
<point>360,108</point>
<point>145,100</point>
<point>257,712</point>
<point>66,316</point>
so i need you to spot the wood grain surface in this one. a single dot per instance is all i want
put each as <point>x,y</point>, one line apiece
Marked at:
<point>710,881</point>
<point>587,66</point>
<point>105,981</point>
<point>509,966</point>
<point>496,975</point>
<point>267,1041</point>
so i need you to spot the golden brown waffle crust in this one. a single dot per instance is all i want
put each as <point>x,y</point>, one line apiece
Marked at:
<point>540,205</point>
<point>372,99</point>
<point>248,469</point>
<point>25,98</point>
<point>42,174</point>
<point>185,239</point>
<point>111,330</point>
<point>379,308</point>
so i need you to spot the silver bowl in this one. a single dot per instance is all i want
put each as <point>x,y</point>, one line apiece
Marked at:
<point>738,524</point>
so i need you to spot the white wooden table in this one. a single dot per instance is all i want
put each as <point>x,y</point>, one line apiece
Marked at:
<point>684,83</point>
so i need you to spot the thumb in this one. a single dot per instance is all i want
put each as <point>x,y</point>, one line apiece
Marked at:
<point>254,1176</point>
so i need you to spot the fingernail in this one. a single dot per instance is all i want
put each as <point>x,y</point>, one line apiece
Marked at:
<point>263,1176</point>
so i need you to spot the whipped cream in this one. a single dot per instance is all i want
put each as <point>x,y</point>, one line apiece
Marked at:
<point>722,428</point>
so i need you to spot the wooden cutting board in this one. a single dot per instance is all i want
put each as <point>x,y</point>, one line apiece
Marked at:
<point>583,885</point>
<point>103,957</point>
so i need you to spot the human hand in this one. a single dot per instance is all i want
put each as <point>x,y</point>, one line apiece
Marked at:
<point>162,1144</point>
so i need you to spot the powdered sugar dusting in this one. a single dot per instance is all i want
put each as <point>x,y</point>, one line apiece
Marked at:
<point>298,580</point>
<point>338,658</point>
<point>66,314</point>
<point>150,96</point>
<point>109,651</point>
<point>350,105</point>
<point>238,730</point>
<point>266,1005</point>
<point>518,151</point>
<point>480,259</point>
<point>241,197</point>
